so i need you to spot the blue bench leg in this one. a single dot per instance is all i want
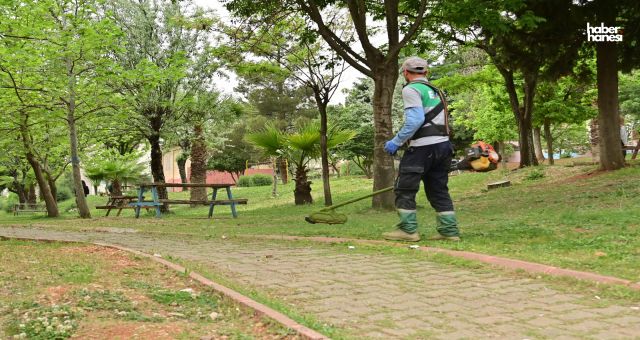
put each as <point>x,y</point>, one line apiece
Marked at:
<point>154,192</point>
<point>233,204</point>
<point>213,198</point>
<point>139,206</point>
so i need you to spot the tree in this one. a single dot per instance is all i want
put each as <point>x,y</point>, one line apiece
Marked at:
<point>16,174</point>
<point>23,99</point>
<point>356,115</point>
<point>377,62</point>
<point>79,43</point>
<point>629,99</point>
<point>561,106</point>
<point>233,154</point>
<point>206,113</point>
<point>270,89</point>
<point>611,57</point>
<point>110,166</point>
<point>310,62</point>
<point>535,39</point>
<point>479,106</point>
<point>298,148</point>
<point>169,57</point>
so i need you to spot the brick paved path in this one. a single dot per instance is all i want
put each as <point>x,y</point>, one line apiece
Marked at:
<point>383,296</point>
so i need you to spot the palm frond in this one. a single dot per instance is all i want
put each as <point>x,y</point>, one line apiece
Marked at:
<point>269,139</point>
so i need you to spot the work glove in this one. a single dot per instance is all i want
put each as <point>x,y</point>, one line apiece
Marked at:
<point>391,148</point>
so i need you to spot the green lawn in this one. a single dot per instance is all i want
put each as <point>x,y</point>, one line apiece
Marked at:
<point>570,217</point>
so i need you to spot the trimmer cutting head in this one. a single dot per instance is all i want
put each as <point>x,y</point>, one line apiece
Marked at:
<point>326,217</point>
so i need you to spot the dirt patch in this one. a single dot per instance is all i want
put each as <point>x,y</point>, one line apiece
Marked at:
<point>55,295</point>
<point>580,177</point>
<point>117,258</point>
<point>129,330</point>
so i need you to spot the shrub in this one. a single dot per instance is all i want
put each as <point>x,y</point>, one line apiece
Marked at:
<point>245,181</point>
<point>535,174</point>
<point>350,169</point>
<point>10,201</point>
<point>262,180</point>
<point>63,194</point>
<point>256,180</point>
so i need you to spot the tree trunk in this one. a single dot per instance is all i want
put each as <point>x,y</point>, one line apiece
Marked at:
<point>525,139</point>
<point>383,168</point>
<point>32,198</point>
<point>157,171</point>
<point>335,169</point>
<point>522,114</point>
<point>324,154</point>
<point>594,140</point>
<point>81,201</point>
<point>45,191</point>
<point>182,168</point>
<point>281,163</point>
<point>608,116</point>
<point>527,153</point>
<point>49,200</point>
<point>52,184</point>
<point>20,189</point>
<point>302,192</point>
<point>274,188</point>
<point>549,138</point>
<point>537,144</point>
<point>503,156</point>
<point>198,163</point>
<point>116,188</point>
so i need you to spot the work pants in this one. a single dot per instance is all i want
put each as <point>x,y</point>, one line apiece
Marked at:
<point>429,163</point>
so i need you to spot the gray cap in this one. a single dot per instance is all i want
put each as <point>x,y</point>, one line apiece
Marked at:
<point>415,65</point>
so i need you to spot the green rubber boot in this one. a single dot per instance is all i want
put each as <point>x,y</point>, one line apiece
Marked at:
<point>447,226</point>
<point>407,228</point>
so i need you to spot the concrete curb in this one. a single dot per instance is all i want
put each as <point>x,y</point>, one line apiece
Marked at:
<point>529,267</point>
<point>259,308</point>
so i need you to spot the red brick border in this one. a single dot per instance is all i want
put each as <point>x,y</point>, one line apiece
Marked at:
<point>259,308</point>
<point>529,267</point>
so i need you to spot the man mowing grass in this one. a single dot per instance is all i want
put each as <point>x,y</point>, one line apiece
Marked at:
<point>427,158</point>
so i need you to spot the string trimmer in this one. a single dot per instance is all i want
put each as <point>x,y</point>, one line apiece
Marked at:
<point>329,215</point>
<point>477,158</point>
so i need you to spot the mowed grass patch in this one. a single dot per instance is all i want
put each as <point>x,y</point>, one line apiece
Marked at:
<point>115,295</point>
<point>569,216</point>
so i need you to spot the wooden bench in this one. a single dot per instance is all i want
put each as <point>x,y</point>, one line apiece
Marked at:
<point>207,202</point>
<point>634,148</point>
<point>28,208</point>
<point>118,202</point>
<point>211,203</point>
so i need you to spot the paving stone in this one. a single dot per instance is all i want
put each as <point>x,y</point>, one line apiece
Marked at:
<point>544,322</point>
<point>380,296</point>
<point>576,315</point>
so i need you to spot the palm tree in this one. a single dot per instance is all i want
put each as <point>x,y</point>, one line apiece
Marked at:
<point>299,148</point>
<point>110,166</point>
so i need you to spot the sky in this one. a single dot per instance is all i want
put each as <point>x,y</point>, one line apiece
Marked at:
<point>349,77</point>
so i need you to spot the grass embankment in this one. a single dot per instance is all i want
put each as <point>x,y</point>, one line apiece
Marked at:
<point>571,217</point>
<point>54,291</point>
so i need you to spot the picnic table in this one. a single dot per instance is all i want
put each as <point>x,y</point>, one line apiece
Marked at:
<point>28,208</point>
<point>156,202</point>
<point>117,202</point>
